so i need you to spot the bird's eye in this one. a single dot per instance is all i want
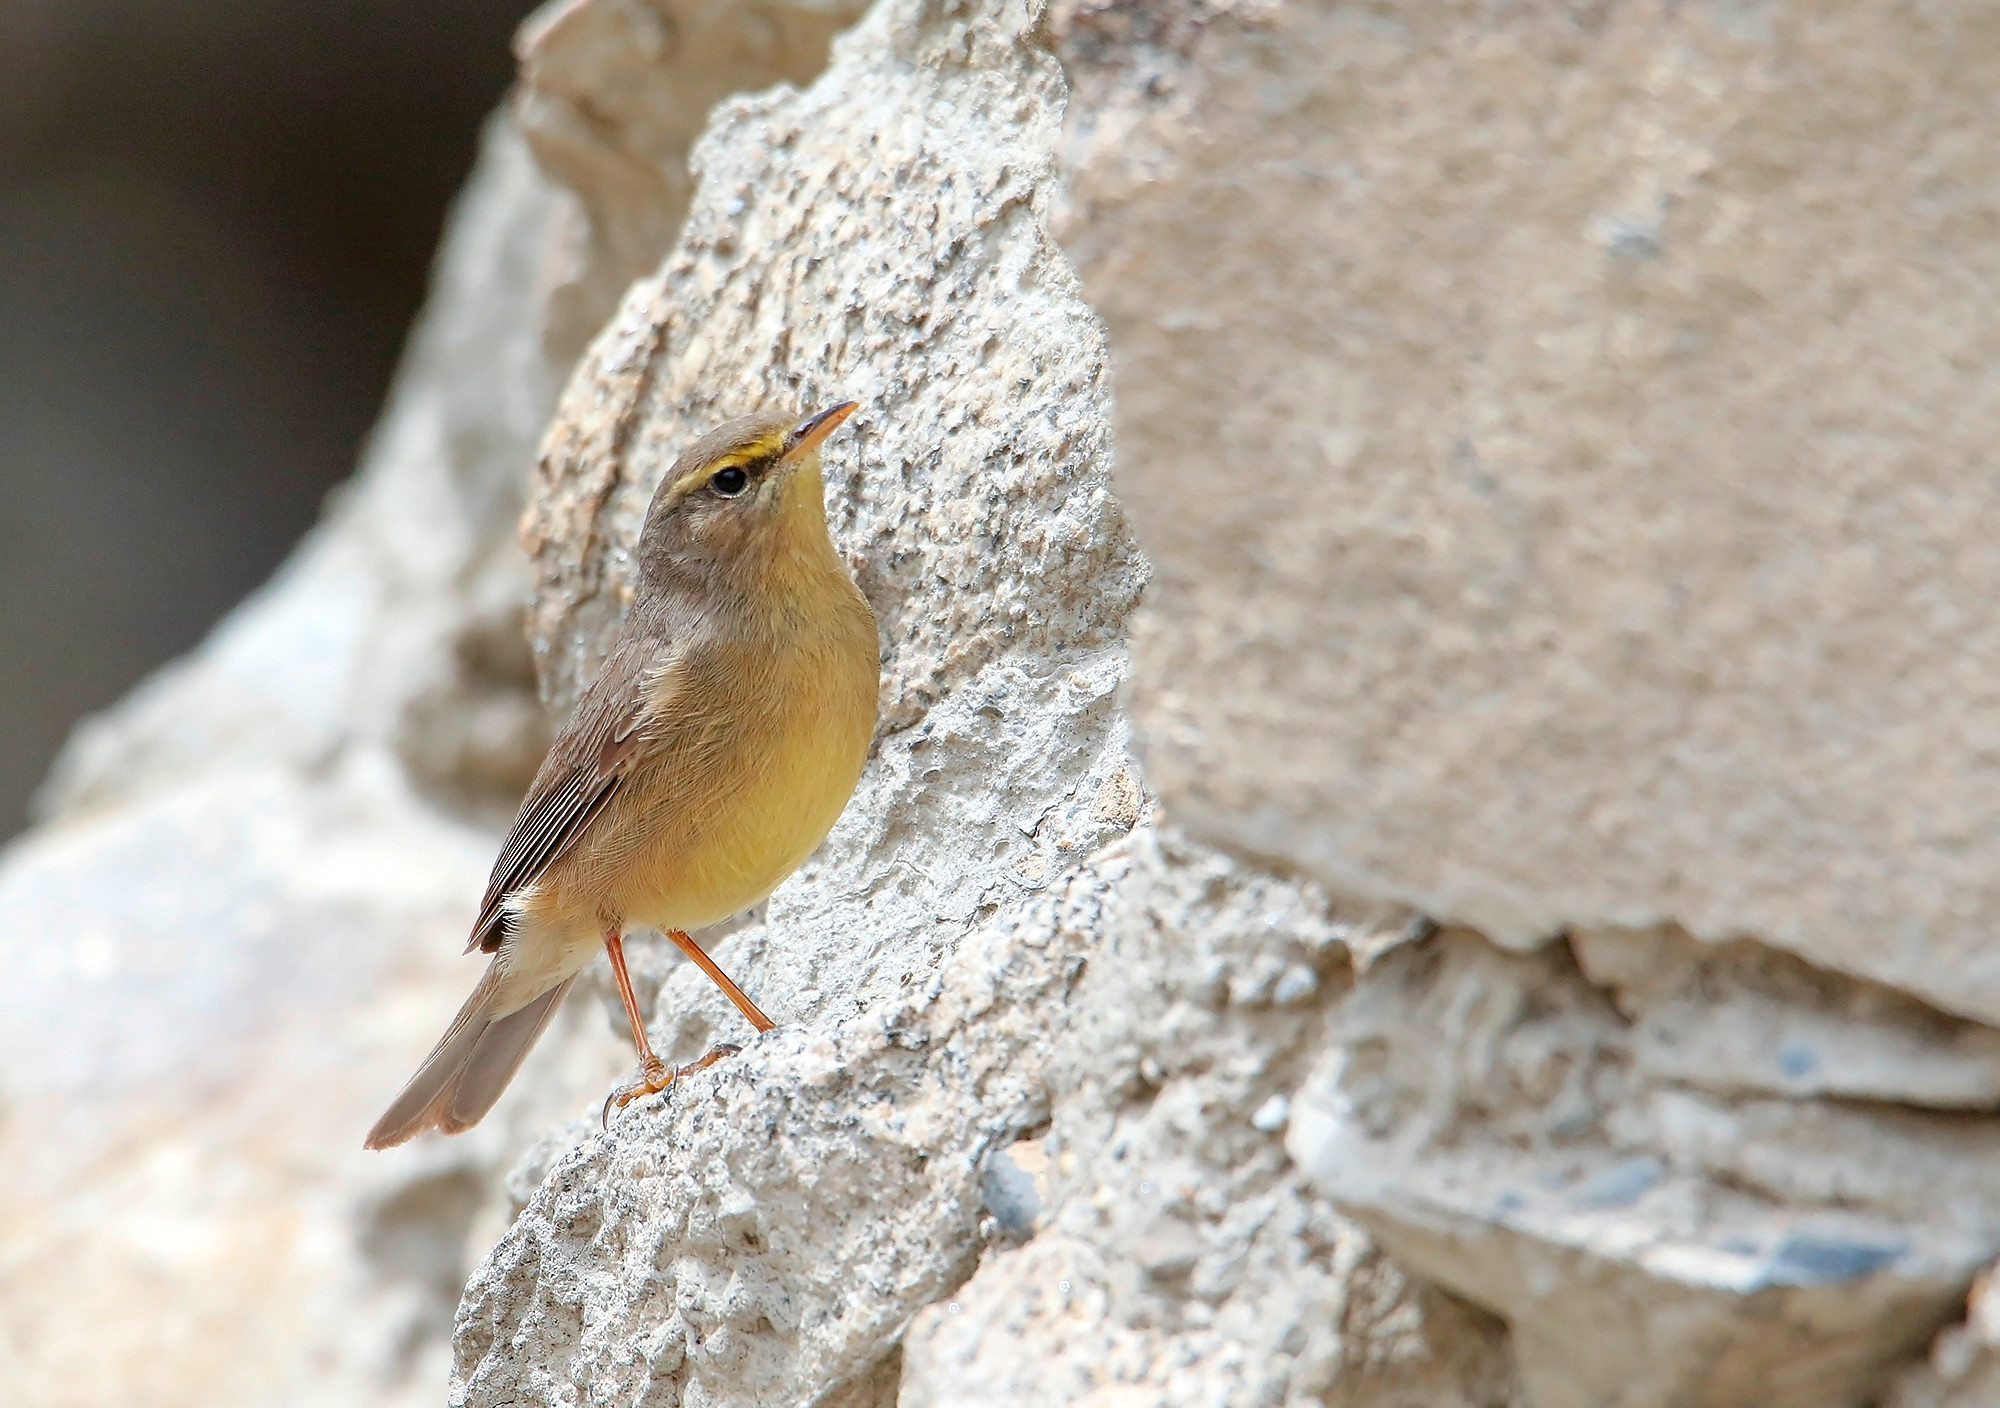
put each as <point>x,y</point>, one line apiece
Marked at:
<point>729,482</point>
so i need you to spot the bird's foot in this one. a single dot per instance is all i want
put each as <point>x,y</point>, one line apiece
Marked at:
<point>657,1075</point>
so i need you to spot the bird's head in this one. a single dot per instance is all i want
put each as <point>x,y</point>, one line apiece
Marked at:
<point>747,491</point>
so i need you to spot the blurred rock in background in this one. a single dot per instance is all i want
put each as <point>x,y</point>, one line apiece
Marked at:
<point>216,219</point>
<point>235,930</point>
<point>238,926</point>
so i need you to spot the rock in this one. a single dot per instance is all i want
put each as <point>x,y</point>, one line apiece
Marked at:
<point>1040,1326</point>
<point>1739,1019</point>
<point>1182,1259</point>
<point>1700,1174</point>
<point>1551,435</point>
<point>766,1235</point>
<point>1015,1185</point>
<point>1963,1370</point>
<point>1556,436</point>
<point>1504,1128</point>
<point>238,932</point>
<point>613,94</point>
<point>763,1232</point>
<point>948,969</point>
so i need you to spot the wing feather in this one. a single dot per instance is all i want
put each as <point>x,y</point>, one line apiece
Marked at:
<point>585,767</point>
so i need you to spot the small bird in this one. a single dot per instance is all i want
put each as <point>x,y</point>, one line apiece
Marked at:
<point>711,754</point>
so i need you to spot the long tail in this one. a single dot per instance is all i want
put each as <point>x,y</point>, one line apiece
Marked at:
<point>465,1073</point>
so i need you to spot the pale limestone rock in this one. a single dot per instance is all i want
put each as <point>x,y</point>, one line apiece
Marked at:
<point>1712,1187</point>
<point>1553,431</point>
<point>762,1233</point>
<point>876,237</point>
<point>975,955</point>
<point>766,1236</point>
<point>1559,435</point>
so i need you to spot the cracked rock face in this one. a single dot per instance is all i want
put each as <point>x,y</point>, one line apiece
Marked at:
<point>1638,1137</point>
<point>950,968</point>
<point>1178,1256</point>
<point>1593,581</point>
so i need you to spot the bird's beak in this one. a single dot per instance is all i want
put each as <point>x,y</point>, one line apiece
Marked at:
<point>807,434</point>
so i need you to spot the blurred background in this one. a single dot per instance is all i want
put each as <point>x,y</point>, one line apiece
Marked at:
<point>216,218</point>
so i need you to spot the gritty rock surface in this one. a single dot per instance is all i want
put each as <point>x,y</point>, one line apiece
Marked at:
<point>980,955</point>
<point>1130,1179</point>
<point>801,1202</point>
<point>1555,532</point>
<point>1180,1257</point>
<point>1612,385</point>
<point>904,267</point>
<point>762,1233</point>
<point>1573,1155</point>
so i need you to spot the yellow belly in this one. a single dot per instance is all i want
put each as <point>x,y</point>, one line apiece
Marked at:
<point>785,791</point>
<point>737,796</point>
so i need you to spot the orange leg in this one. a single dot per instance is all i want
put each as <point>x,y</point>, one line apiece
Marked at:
<point>654,1074</point>
<point>722,980</point>
<point>651,1066</point>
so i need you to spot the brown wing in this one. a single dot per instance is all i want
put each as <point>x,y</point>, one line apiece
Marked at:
<point>585,767</point>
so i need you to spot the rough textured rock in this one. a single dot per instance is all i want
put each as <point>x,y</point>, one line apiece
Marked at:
<point>239,929</point>
<point>1597,393</point>
<point>1178,1256</point>
<point>1575,1140</point>
<point>979,369</point>
<point>800,1204</point>
<point>764,1236</point>
<point>1700,1152</point>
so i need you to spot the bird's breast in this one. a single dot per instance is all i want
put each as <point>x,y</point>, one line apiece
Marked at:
<point>757,761</point>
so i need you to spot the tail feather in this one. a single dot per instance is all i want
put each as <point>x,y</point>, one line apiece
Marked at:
<point>494,1059</point>
<point>470,1066</point>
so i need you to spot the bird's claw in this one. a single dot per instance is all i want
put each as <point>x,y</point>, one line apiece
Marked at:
<point>658,1075</point>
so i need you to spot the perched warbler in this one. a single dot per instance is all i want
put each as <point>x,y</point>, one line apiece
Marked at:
<point>712,753</point>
